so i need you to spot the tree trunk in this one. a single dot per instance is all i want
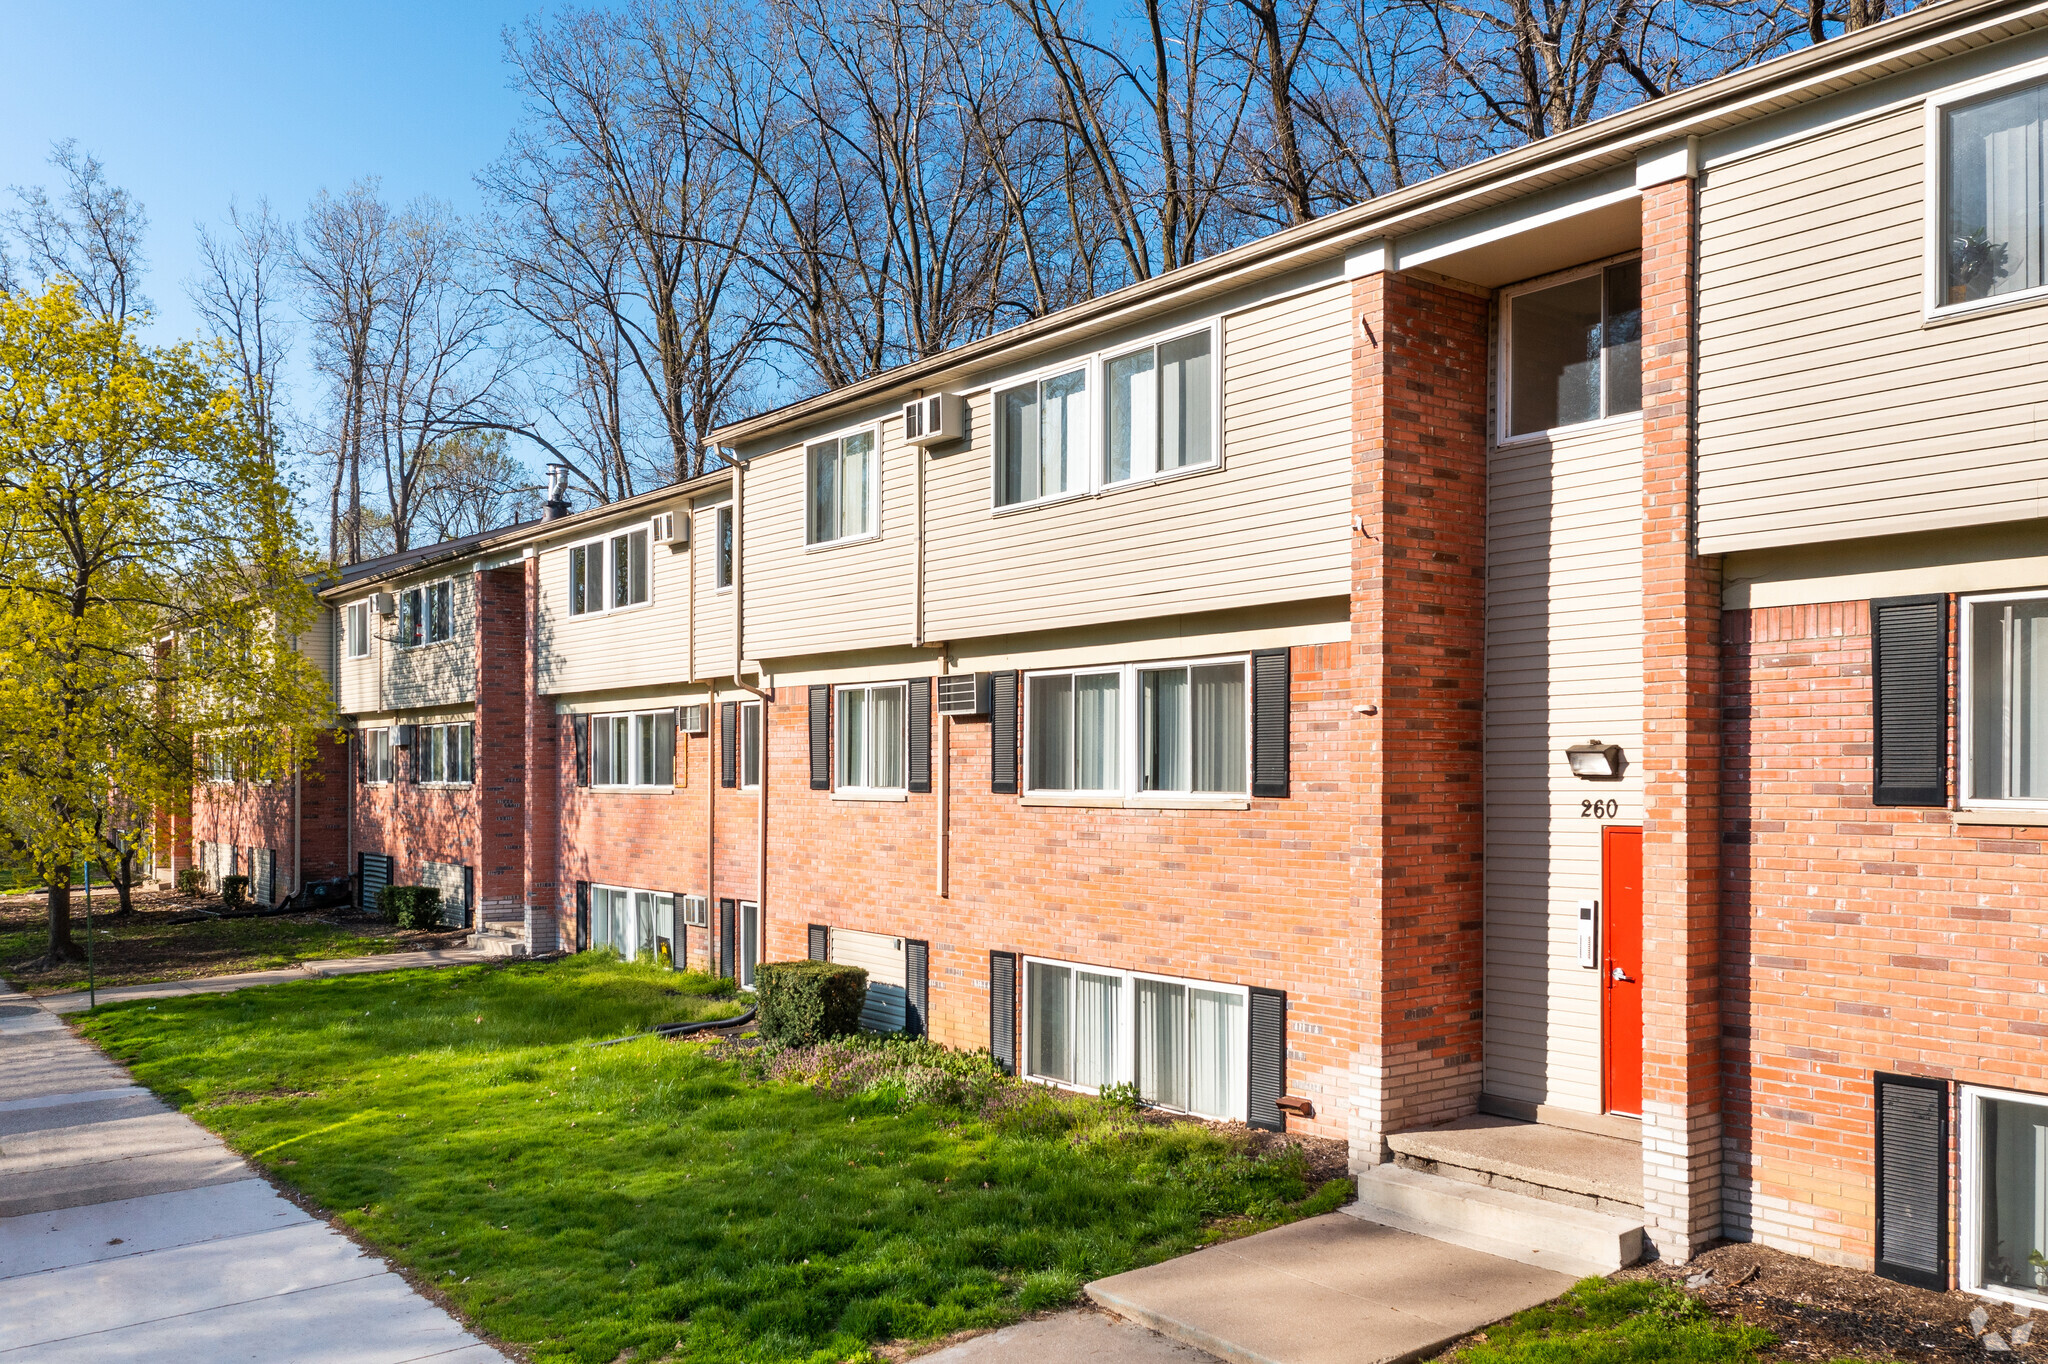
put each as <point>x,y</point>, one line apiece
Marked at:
<point>62,948</point>
<point>121,876</point>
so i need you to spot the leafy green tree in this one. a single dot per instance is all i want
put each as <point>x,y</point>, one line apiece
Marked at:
<point>151,588</point>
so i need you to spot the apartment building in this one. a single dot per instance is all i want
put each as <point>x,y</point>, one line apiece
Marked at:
<point>1556,645</point>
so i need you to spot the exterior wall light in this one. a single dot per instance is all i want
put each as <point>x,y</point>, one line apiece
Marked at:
<point>1595,761</point>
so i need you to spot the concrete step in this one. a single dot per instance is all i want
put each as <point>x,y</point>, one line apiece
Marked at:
<point>1575,1241</point>
<point>499,942</point>
<point>1557,1164</point>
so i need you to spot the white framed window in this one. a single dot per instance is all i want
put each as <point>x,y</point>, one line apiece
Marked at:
<point>2004,699</point>
<point>2005,1195</point>
<point>1159,408</point>
<point>1987,204</point>
<point>412,617</point>
<point>1179,728</point>
<point>637,924</point>
<point>843,479</point>
<point>356,629</point>
<point>380,762</point>
<point>722,558</point>
<point>446,754</point>
<point>1181,1042</point>
<point>1042,438</point>
<point>869,737</point>
<point>1572,350</point>
<point>426,614</point>
<point>749,757</point>
<point>612,572</point>
<point>635,749</point>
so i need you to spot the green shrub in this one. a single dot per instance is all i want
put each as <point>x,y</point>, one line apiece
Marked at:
<point>412,906</point>
<point>234,891</point>
<point>191,881</point>
<point>806,1002</point>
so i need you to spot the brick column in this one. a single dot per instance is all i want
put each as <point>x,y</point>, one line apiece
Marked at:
<point>540,839</point>
<point>501,770</point>
<point>1681,760</point>
<point>1418,632</point>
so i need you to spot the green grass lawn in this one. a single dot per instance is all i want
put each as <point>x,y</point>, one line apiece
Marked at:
<point>163,940</point>
<point>657,1199</point>
<point>1638,1321</point>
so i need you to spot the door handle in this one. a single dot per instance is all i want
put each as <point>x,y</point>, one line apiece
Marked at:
<point>1620,974</point>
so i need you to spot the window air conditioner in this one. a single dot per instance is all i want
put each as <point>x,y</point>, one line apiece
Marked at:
<point>691,719</point>
<point>934,419</point>
<point>966,693</point>
<point>383,603</point>
<point>696,912</point>
<point>670,529</point>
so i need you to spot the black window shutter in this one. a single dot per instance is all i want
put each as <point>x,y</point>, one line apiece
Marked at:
<point>728,744</point>
<point>821,940</point>
<point>1268,1052</point>
<point>579,726</point>
<point>583,916</point>
<point>1269,722</point>
<point>362,742</point>
<point>1002,1007</point>
<point>468,896</point>
<point>728,931</point>
<point>1912,1180</point>
<point>1909,700</point>
<point>918,723</point>
<point>1002,737</point>
<point>917,956</point>
<point>821,738</point>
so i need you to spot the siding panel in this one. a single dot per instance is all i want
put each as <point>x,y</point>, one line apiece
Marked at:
<point>636,647</point>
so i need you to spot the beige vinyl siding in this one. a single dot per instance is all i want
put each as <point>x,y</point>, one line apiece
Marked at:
<point>1828,410</point>
<point>361,687</point>
<point>638,646</point>
<point>711,626</point>
<point>1564,627</point>
<point>440,674</point>
<point>320,644</point>
<point>1273,524</point>
<point>804,599</point>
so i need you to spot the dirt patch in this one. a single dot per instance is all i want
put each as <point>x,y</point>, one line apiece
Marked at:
<point>1824,1312</point>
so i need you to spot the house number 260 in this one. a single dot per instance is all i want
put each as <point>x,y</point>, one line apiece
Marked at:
<point>1599,809</point>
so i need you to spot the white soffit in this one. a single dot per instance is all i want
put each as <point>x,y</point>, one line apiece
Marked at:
<point>1594,218</point>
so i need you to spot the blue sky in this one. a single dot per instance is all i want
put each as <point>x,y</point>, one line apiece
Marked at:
<point>192,104</point>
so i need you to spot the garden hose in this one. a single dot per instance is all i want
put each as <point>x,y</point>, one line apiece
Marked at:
<point>682,1029</point>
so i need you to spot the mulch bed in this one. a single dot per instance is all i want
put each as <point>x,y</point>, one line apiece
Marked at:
<point>1824,1312</point>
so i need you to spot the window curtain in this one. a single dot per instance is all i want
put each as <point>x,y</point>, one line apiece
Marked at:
<point>2015,1165</point>
<point>1095,732</point>
<point>885,763</point>
<point>1131,406</point>
<point>1098,1001</point>
<point>1219,734</point>
<point>1019,473</point>
<point>1164,698</point>
<point>1184,402</point>
<point>2009,700</point>
<point>1994,207</point>
<point>1163,1043</point>
<point>1062,431</point>
<point>853,736</point>
<point>1216,1059</point>
<point>855,452</point>
<point>1052,733</point>
<point>1046,1045</point>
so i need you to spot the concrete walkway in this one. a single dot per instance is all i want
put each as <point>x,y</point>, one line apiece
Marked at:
<point>1328,1290</point>
<point>78,1001</point>
<point>1082,1337</point>
<point>129,1233</point>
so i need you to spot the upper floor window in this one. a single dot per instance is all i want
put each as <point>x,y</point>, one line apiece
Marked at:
<point>1992,196</point>
<point>1042,438</point>
<point>380,764</point>
<point>1165,729</point>
<point>357,629</point>
<point>633,750</point>
<point>842,488</point>
<point>611,572</point>
<point>2005,699</point>
<point>426,614</point>
<point>1575,350</point>
<point>1159,414</point>
<point>722,567</point>
<point>870,738</point>
<point>446,754</point>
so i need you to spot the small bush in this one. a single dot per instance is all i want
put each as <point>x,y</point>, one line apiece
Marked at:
<point>412,906</point>
<point>234,891</point>
<point>191,881</point>
<point>805,1002</point>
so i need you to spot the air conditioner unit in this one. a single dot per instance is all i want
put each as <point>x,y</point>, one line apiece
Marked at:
<point>696,912</point>
<point>670,529</point>
<point>693,719</point>
<point>383,603</point>
<point>934,419</point>
<point>967,693</point>
<point>404,736</point>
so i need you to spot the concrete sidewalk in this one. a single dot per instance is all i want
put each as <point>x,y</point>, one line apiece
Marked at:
<point>130,1233</point>
<point>78,1001</point>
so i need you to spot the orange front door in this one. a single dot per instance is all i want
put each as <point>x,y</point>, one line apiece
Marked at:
<point>1621,970</point>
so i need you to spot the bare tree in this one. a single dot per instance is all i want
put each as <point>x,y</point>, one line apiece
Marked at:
<point>471,484</point>
<point>244,284</point>
<point>90,235</point>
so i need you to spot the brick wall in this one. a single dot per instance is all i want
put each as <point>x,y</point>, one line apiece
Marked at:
<point>416,824</point>
<point>247,815</point>
<point>540,827</point>
<point>1856,938</point>
<point>1418,649</point>
<point>501,743</point>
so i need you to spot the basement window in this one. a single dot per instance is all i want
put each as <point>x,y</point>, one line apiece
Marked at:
<point>1181,1042</point>
<point>2005,1195</point>
<point>1574,350</point>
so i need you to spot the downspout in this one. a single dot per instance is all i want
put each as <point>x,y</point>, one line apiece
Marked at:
<point>944,737</point>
